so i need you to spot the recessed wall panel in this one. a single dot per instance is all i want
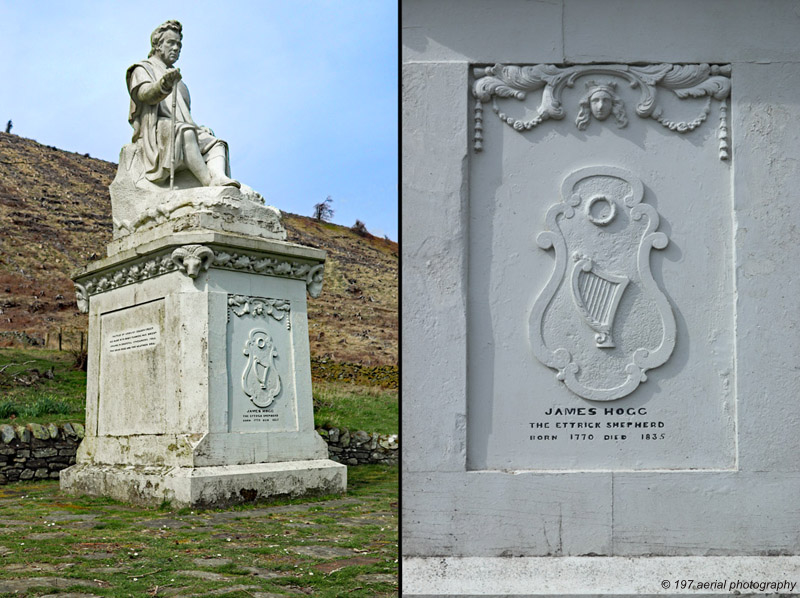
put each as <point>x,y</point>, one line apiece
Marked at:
<point>133,370</point>
<point>601,289</point>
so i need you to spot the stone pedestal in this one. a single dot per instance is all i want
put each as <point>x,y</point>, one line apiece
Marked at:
<point>199,380</point>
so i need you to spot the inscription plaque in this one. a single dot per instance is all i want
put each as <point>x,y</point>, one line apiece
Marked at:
<point>132,370</point>
<point>601,286</point>
<point>130,340</point>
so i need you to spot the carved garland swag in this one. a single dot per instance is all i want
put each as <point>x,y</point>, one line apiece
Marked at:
<point>191,260</point>
<point>685,81</point>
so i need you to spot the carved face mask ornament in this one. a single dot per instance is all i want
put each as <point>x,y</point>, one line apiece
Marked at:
<point>601,321</point>
<point>600,103</point>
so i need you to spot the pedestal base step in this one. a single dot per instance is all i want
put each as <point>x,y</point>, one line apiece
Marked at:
<point>590,577</point>
<point>205,486</point>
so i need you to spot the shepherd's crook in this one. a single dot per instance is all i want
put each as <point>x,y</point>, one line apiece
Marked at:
<point>172,137</point>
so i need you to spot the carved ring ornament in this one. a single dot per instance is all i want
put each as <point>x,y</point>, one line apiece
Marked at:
<point>602,321</point>
<point>602,99</point>
<point>191,260</point>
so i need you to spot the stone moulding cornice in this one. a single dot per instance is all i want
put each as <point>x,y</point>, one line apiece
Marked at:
<point>683,80</point>
<point>192,260</point>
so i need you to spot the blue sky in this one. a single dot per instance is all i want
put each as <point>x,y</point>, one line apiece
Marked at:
<point>304,91</point>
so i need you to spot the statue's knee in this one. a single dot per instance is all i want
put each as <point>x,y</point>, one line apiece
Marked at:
<point>218,149</point>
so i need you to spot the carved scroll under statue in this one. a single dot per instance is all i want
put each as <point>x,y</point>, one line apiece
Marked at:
<point>173,165</point>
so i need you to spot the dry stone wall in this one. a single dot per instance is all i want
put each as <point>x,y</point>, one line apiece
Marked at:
<point>37,451</point>
<point>360,448</point>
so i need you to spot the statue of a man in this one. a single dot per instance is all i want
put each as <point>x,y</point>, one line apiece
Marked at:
<point>152,84</point>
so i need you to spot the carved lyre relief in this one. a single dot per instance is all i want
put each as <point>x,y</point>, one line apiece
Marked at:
<point>597,295</point>
<point>260,379</point>
<point>604,323</point>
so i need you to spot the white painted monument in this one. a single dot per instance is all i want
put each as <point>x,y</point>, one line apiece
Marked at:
<point>600,298</point>
<point>199,378</point>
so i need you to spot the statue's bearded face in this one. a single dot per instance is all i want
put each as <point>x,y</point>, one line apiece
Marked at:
<point>600,103</point>
<point>169,48</point>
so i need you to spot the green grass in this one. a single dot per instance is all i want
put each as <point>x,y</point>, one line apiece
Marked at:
<point>326,547</point>
<point>368,408</point>
<point>27,395</point>
<point>63,398</point>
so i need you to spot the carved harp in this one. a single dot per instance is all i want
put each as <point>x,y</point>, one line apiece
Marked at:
<point>596,295</point>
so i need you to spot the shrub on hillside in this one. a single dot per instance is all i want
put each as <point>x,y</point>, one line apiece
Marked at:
<point>323,210</point>
<point>360,228</point>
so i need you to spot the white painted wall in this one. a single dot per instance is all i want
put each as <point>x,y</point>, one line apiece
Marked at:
<point>726,482</point>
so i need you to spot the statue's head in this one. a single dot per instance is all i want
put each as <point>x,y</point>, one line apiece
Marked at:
<point>166,41</point>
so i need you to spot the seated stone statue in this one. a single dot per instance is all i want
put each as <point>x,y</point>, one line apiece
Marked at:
<point>173,167</point>
<point>152,84</point>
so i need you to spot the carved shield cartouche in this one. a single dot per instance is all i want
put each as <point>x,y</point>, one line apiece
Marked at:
<point>260,379</point>
<point>601,321</point>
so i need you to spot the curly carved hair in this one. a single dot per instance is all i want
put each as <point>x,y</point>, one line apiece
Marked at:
<point>585,112</point>
<point>155,37</point>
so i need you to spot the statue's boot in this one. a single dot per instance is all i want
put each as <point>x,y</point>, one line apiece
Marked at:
<point>217,162</point>
<point>211,169</point>
<point>218,180</point>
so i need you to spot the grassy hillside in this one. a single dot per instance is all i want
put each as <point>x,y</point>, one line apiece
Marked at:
<point>55,215</point>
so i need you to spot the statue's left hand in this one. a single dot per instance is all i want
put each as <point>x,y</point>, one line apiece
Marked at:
<point>207,130</point>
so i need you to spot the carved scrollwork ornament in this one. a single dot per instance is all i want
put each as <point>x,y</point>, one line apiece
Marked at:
<point>602,99</point>
<point>278,309</point>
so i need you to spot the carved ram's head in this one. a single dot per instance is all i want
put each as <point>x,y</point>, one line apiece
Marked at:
<point>192,259</point>
<point>82,298</point>
<point>314,280</point>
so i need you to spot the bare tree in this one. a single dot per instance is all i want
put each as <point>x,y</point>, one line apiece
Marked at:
<point>323,210</point>
<point>360,228</point>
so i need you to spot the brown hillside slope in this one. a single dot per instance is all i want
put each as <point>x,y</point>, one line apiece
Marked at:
<point>55,215</point>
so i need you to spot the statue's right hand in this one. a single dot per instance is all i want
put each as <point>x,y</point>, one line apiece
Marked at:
<point>169,79</point>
